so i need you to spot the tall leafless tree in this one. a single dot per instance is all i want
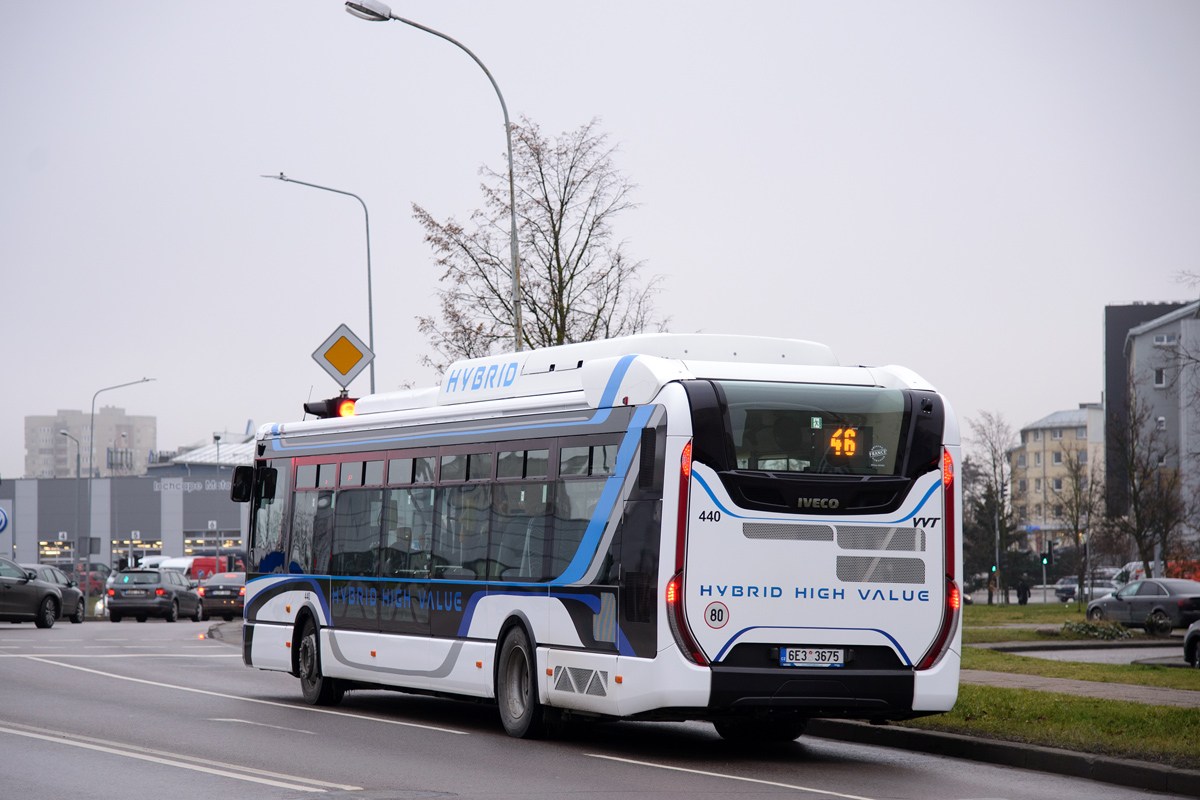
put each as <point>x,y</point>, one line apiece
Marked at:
<point>1157,509</point>
<point>991,438</point>
<point>1082,503</point>
<point>577,282</point>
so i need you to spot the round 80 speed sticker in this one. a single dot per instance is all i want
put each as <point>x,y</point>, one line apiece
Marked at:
<point>716,615</point>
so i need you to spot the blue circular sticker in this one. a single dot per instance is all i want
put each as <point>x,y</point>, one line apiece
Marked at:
<point>3,520</point>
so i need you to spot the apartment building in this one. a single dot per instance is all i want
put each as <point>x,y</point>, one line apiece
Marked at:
<point>1042,470</point>
<point>123,443</point>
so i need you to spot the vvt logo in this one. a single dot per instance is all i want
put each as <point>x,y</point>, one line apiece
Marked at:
<point>925,522</point>
<point>3,520</point>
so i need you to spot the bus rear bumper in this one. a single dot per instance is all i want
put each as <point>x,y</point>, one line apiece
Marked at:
<point>825,692</point>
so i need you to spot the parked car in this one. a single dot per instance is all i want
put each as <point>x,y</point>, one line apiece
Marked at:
<point>24,597</point>
<point>1191,645</point>
<point>144,593</point>
<point>1159,604</point>
<point>72,596</point>
<point>1064,590</point>
<point>95,574</point>
<point>223,595</point>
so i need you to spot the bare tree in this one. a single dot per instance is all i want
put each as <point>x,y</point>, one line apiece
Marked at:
<point>1082,502</point>
<point>992,437</point>
<point>577,283</point>
<point>1157,510</point>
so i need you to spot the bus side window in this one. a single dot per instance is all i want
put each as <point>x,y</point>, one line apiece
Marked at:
<point>574,503</point>
<point>407,534</point>
<point>519,525</point>
<point>312,532</point>
<point>461,541</point>
<point>357,524</point>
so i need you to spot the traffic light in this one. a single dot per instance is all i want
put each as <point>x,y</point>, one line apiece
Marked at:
<point>1050,554</point>
<point>993,567</point>
<point>340,406</point>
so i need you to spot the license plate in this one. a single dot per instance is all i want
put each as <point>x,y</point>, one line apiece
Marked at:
<point>811,657</point>
<point>134,592</point>
<point>220,593</point>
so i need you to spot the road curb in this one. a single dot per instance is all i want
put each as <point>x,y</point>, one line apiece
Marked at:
<point>1119,771</point>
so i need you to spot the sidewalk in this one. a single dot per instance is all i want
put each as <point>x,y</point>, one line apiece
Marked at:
<point>1150,695</point>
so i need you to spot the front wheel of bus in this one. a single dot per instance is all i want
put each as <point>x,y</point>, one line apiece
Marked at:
<point>516,688</point>
<point>756,731</point>
<point>318,690</point>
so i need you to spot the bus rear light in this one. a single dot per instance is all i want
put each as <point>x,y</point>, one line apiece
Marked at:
<point>941,644</point>
<point>679,628</point>
<point>685,482</point>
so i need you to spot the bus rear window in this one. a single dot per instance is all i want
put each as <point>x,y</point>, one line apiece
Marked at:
<point>794,427</point>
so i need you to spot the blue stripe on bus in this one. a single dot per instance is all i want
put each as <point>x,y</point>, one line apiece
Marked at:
<point>890,638</point>
<point>608,498</point>
<point>277,581</point>
<point>624,648</point>
<point>278,445</point>
<point>614,381</point>
<point>831,521</point>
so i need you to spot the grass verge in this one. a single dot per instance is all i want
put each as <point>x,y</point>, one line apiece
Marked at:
<point>1051,614</point>
<point>1161,734</point>
<point>1135,674</point>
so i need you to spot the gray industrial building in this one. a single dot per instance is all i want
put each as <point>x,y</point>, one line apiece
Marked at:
<point>177,508</point>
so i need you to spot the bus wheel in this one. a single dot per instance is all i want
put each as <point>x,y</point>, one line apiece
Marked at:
<point>318,690</point>
<point>516,688</point>
<point>771,729</point>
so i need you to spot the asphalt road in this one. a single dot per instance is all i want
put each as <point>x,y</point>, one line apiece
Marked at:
<point>152,710</point>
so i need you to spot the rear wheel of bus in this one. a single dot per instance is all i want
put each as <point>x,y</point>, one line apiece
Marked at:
<point>516,688</point>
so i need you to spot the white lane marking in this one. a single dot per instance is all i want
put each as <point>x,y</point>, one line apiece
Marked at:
<point>249,699</point>
<point>260,724</point>
<point>730,777</point>
<point>166,762</point>
<point>90,656</point>
<point>182,756</point>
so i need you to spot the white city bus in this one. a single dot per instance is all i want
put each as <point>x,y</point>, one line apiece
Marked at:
<point>724,528</point>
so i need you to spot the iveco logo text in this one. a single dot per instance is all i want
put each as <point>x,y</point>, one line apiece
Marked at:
<point>818,502</point>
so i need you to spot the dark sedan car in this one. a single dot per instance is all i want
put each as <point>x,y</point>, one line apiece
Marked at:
<point>223,595</point>
<point>1158,605</point>
<point>144,593</point>
<point>24,597</point>
<point>72,596</point>
<point>1191,645</point>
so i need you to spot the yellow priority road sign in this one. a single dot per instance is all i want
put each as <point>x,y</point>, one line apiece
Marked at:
<point>343,355</point>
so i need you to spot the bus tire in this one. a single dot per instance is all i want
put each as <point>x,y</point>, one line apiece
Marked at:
<point>318,690</point>
<point>516,688</point>
<point>749,730</point>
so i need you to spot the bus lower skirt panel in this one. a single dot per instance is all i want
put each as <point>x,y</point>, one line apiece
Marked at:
<point>814,693</point>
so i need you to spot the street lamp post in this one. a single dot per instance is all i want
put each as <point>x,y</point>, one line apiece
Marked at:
<point>92,466</point>
<point>370,303</point>
<point>78,537</point>
<point>375,11</point>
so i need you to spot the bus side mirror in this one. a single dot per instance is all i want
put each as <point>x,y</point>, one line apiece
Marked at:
<point>243,484</point>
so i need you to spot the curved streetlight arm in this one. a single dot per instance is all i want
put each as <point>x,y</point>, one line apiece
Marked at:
<point>375,11</point>
<point>92,429</point>
<point>370,301</point>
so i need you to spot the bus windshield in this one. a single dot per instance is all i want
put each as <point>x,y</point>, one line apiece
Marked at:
<point>795,427</point>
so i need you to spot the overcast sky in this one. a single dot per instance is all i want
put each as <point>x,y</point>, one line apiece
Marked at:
<point>959,188</point>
